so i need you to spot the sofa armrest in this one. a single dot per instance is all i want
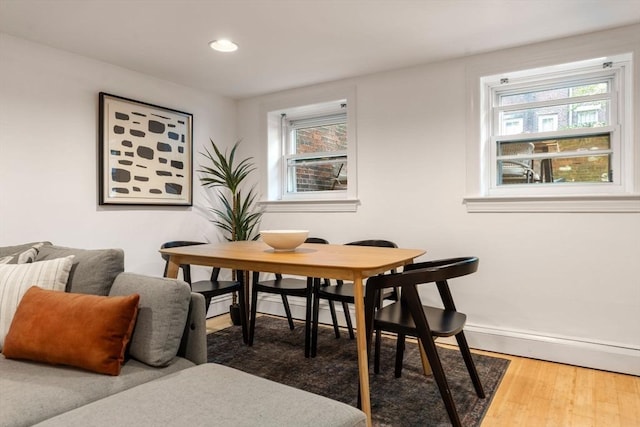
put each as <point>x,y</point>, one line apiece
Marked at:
<point>167,311</point>
<point>193,345</point>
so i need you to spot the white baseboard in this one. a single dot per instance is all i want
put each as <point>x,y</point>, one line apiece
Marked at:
<point>271,304</point>
<point>219,305</point>
<point>597,355</point>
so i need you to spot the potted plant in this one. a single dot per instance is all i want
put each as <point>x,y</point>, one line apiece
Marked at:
<point>238,216</point>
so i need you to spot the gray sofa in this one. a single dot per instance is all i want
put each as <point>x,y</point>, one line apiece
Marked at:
<point>165,380</point>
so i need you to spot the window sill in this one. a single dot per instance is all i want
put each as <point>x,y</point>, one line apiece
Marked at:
<point>346,205</point>
<point>593,203</point>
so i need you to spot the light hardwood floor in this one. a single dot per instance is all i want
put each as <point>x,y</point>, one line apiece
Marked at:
<point>537,393</point>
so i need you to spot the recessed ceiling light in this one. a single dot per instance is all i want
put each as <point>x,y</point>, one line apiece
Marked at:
<point>223,45</point>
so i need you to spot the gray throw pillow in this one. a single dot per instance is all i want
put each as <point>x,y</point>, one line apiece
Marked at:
<point>162,316</point>
<point>93,271</point>
<point>6,251</point>
<point>24,257</point>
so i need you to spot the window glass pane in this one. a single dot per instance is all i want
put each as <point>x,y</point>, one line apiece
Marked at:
<point>555,93</point>
<point>556,168</point>
<point>595,142</point>
<point>317,174</point>
<point>587,169</point>
<point>566,116</point>
<point>582,169</point>
<point>556,145</point>
<point>321,139</point>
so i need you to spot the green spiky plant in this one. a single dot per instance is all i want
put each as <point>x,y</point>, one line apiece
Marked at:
<point>238,217</point>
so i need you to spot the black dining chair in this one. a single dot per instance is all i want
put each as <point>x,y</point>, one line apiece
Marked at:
<point>410,317</point>
<point>343,293</point>
<point>213,287</point>
<point>285,287</point>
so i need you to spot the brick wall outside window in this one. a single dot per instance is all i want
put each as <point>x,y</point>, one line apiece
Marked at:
<point>317,139</point>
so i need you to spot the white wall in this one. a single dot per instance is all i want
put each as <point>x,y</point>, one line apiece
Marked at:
<point>561,287</point>
<point>48,154</point>
<point>556,286</point>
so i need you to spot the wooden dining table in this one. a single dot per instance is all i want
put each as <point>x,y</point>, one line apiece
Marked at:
<point>345,262</point>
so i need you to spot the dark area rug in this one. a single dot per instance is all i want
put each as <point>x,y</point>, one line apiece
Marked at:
<point>413,400</point>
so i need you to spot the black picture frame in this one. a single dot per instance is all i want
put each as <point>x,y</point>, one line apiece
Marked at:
<point>145,153</point>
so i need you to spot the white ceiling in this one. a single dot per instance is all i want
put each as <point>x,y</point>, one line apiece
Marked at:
<point>291,43</point>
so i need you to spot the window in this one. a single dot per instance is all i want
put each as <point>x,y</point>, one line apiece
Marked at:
<point>547,122</point>
<point>315,153</point>
<point>512,126</point>
<point>558,130</point>
<point>311,160</point>
<point>587,115</point>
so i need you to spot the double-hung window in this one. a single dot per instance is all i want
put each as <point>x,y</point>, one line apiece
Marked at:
<point>311,152</point>
<point>557,132</point>
<point>555,138</point>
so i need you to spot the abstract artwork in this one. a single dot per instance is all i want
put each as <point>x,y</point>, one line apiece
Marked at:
<point>145,153</point>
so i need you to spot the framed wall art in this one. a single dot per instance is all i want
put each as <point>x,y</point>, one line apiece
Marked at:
<point>145,153</point>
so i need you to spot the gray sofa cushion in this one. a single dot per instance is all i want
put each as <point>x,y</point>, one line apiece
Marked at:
<point>93,271</point>
<point>162,315</point>
<point>31,392</point>
<point>212,394</point>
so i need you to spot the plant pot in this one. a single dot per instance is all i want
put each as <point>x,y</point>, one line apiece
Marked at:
<point>234,312</point>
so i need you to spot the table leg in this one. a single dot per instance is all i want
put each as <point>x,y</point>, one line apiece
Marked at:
<point>426,367</point>
<point>172,268</point>
<point>361,340</point>
<point>247,296</point>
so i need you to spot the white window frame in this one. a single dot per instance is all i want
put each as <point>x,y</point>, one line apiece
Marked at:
<point>484,195</point>
<point>307,104</point>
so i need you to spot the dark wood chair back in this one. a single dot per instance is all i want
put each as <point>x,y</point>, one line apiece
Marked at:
<point>411,317</point>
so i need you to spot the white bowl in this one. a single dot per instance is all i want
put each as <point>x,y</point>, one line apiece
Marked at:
<point>284,240</point>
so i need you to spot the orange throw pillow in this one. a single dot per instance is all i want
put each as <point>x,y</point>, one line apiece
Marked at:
<point>85,331</point>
